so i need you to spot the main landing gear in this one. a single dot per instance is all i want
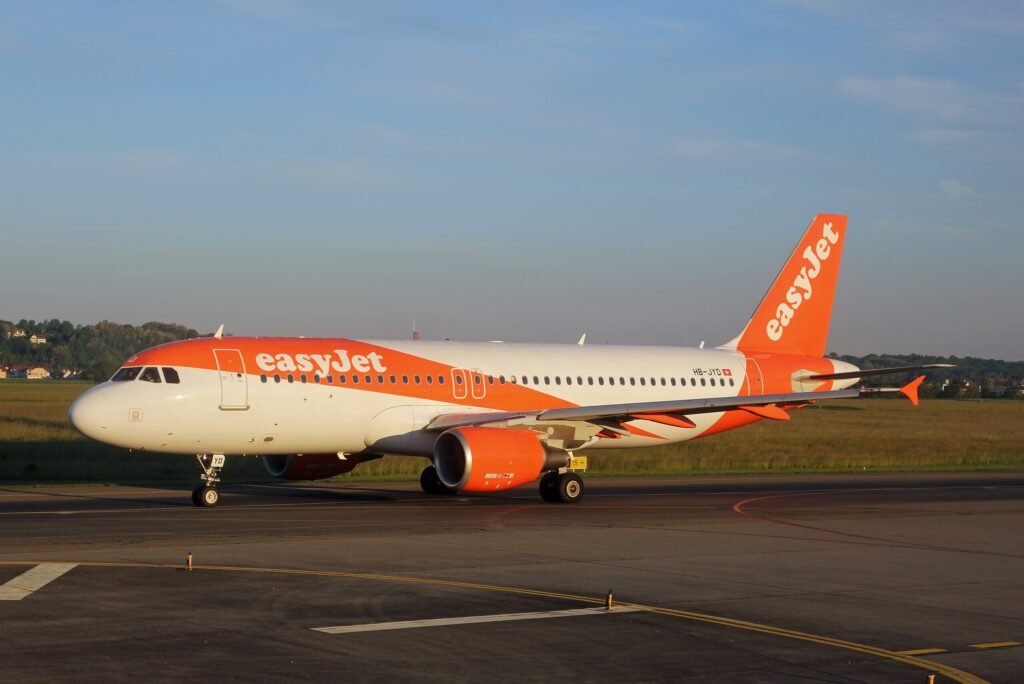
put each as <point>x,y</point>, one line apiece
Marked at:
<point>431,483</point>
<point>559,487</point>
<point>207,495</point>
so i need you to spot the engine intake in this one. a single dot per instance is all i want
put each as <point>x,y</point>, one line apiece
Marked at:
<point>479,459</point>
<point>308,466</point>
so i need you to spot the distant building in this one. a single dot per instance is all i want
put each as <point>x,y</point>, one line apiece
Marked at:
<point>37,339</point>
<point>3,373</point>
<point>18,332</point>
<point>27,372</point>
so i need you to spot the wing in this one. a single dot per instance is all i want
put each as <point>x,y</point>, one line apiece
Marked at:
<point>604,417</point>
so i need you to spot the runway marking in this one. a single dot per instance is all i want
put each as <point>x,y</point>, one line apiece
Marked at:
<point>33,580</point>
<point>473,619</point>
<point>953,673</point>
<point>997,644</point>
<point>739,507</point>
<point>922,651</point>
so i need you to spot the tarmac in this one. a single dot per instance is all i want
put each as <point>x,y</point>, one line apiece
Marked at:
<point>796,578</point>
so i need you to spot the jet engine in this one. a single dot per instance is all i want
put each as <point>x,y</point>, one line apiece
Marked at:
<point>480,459</point>
<point>308,466</point>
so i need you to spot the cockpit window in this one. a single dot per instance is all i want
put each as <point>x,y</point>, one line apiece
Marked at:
<point>126,374</point>
<point>150,374</point>
<point>171,376</point>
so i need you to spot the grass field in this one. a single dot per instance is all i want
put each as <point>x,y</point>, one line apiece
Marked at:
<point>37,444</point>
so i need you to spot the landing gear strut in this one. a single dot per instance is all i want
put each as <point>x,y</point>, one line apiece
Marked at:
<point>207,495</point>
<point>431,483</point>
<point>559,487</point>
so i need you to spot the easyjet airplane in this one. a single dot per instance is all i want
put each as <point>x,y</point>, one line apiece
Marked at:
<point>489,415</point>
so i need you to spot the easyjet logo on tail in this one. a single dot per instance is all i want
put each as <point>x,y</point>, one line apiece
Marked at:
<point>338,362</point>
<point>803,283</point>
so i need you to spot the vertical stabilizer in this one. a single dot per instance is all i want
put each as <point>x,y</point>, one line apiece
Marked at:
<point>794,316</point>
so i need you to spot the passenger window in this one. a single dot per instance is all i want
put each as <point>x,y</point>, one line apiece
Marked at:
<point>380,379</point>
<point>558,380</point>
<point>392,380</point>
<point>440,379</point>
<point>416,379</point>
<point>536,380</point>
<point>458,379</point>
<point>476,379</point>
<point>731,383</point>
<point>263,377</point>
<point>171,376</point>
<point>291,378</point>
<point>150,374</point>
<point>368,379</point>
<point>579,379</point>
<point>501,379</point>
<point>611,380</point>
<point>693,382</point>
<point>526,380</point>
<point>303,378</point>
<point>643,381</point>
<point>330,379</point>
<point>126,374</point>
<point>673,382</point>
<point>590,379</point>
<point>663,382</point>
<point>316,378</point>
<point>568,379</point>
<point>430,379</point>
<point>600,380</point>
<point>490,379</point>
<point>277,377</point>
<point>632,381</point>
<point>405,379</point>
<point>622,380</point>
<point>355,379</point>
<point>702,383</point>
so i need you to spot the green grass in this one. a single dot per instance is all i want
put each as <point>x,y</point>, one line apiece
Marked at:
<point>37,444</point>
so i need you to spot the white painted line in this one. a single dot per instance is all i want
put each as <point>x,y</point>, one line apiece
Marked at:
<point>33,580</point>
<point>472,620</point>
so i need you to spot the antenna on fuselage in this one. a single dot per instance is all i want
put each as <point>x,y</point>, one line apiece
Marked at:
<point>583,338</point>
<point>415,332</point>
<point>220,332</point>
<point>701,345</point>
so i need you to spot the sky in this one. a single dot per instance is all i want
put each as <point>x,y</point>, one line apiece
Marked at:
<point>523,171</point>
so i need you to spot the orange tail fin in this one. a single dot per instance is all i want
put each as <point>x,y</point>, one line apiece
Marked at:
<point>794,316</point>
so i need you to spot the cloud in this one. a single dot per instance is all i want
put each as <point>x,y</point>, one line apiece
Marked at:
<point>947,136</point>
<point>717,147</point>
<point>931,98</point>
<point>955,189</point>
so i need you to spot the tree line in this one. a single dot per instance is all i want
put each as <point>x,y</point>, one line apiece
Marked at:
<point>90,352</point>
<point>94,352</point>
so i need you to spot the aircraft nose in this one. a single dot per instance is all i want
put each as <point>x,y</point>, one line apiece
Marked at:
<point>90,415</point>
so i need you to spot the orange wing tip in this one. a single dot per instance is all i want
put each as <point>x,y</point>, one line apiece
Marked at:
<point>910,390</point>
<point>769,412</point>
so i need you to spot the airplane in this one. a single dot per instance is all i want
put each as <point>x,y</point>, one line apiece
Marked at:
<point>488,415</point>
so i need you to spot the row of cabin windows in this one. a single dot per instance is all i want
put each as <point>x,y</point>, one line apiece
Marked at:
<point>146,374</point>
<point>477,380</point>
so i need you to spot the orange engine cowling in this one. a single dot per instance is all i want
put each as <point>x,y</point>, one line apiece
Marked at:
<point>308,466</point>
<point>480,459</point>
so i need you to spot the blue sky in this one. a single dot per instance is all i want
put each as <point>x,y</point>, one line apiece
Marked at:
<point>521,170</point>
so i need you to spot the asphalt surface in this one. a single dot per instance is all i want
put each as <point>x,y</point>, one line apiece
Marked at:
<point>732,579</point>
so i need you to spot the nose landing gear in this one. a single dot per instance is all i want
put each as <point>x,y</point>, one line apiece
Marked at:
<point>207,495</point>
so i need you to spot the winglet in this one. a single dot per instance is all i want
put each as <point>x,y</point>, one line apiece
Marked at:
<point>910,390</point>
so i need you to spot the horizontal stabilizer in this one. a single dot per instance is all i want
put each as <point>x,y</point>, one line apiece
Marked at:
<point>873,371</point>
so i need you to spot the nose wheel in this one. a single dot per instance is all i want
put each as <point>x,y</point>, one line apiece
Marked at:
<point>207,495</point>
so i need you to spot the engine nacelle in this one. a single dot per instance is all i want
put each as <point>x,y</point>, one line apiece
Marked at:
<point>308,466</point>
<point>480,459</point>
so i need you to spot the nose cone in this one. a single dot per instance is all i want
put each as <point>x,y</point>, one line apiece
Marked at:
<point>90,415</point>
